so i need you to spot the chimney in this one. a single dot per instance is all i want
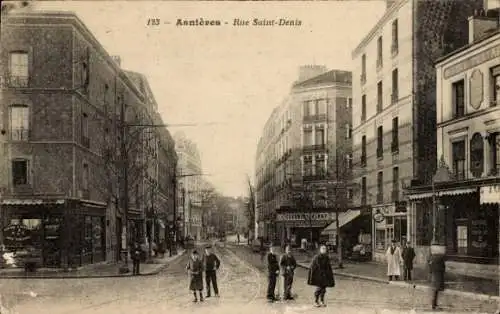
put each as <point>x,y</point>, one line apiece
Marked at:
<point>389,3</point>
<point>309,71</point>
<point>117,60</point>
<point>480,25</point>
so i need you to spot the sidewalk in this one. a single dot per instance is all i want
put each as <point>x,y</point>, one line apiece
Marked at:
<point>100,270</point>
<point>456,284</point>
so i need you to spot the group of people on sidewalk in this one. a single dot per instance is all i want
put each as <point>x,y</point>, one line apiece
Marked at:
<point>196,265</point>
<point>396,256</point>
<point>320,274</point>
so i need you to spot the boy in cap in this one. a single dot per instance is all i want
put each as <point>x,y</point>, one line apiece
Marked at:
<point>212,264</point>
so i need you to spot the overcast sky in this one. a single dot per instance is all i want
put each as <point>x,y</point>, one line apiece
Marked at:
<point>232,75</point>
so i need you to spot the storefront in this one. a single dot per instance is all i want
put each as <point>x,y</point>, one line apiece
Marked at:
<point>466,221</point>
<point>294,226</point>
<point>390,222</point>
<point>67,232</point>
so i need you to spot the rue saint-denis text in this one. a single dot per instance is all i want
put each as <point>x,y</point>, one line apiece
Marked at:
<point>240,22</point>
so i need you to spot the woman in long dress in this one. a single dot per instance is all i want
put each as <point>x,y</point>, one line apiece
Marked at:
<point>195,269</point>
<point>393,256</point>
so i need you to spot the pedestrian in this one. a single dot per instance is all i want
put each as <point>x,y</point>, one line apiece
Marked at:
<point>437,269</point>
<point>273,270</point>
<point>238,237</point>
<point>262,250</point>
<point>136,258</point>
<point>408,257</point>
<point>195,269</point>
<point>321,276</point>
<point>288,265</point>
<point>212,264</point>
<point>393,256</point>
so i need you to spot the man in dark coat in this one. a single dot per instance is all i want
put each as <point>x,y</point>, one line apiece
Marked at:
<point>136,258</point>
<point>212,264</point>
<point>288,265</point>
<point>437,269</point>
<point>195,269</point>
<point>273,270</point>
<point>408,257</point>
<point>321,276</point>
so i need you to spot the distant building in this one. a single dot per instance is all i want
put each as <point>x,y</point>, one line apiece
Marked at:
<point>467,183</point>
<point>306,145</point>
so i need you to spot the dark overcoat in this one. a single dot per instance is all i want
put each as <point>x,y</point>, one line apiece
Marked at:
<point>408,255</point>
<point>437,268</point>
<point>195,268</point>
<point>321,272</point>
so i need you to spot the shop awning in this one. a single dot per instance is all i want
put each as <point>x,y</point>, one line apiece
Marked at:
<point>31,202</point>
<point>442,193</point>
<point>344,218</point>
<point>489,194</point>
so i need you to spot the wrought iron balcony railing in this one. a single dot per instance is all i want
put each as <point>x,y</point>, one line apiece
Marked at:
<point>14,81</point>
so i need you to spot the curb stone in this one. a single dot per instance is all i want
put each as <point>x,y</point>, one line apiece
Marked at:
<point>48,276</point>
<point>453,292</point>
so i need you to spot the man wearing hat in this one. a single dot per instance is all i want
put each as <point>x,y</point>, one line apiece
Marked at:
<point>212,264</point>
<point>408,257</point>
<point>393,256</point>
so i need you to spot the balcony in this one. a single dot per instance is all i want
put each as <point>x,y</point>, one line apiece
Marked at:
<point>314,177</point>
<point>315,118</point>
<point>14,81</point>
<point>363,78</point>
<point>314,148</point>
<point>395,195</point>
<point>20,135</point>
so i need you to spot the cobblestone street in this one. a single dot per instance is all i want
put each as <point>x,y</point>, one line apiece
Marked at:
<point>242,288</point>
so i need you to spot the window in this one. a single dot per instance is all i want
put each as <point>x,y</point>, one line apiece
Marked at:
<point>349,103</point>
<point>348,131</point>
<point>308,166</point>
<point>458,99</point>
<point>494,141</point>
<point>348,158</point>
<point>320,165</point>
<point>363,68</point>
<point>380,187</point>
<point>395,135</point>
<point>321,106</point>
<point>85,130</point>
<point>395,44</point>
<point>379,52</point>
<point>495,86</point>
<point>363,191</point>
<point>137,205</point>
<point>380,142</point>
<point>380,239</point>
<point>18,69</point>
<point>379,97</point>
<point>363,151</point>
<point>19,122</point>
<point>85,177</point>
<point>458,153</point>
<point>350,194</point>
<point>20,172</point>
<point>320,136</point>
<point>395,91</point>
<point>395,184</point>
<point>307,109</point>
<point>462,240</point>
<point>363,108</point>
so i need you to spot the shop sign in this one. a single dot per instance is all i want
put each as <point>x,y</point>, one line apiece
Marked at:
<point>305,216</point>
<point>16,233</point>
<point>490,194</point>
<point>378,216</point>
<point>473,61</point>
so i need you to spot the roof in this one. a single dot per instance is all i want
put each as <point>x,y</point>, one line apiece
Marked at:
<point>333,76</point>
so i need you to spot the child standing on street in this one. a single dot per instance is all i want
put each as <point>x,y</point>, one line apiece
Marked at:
<point>195,269</point>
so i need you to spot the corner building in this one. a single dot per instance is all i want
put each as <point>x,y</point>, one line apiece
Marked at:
<point>466,187</point>
<point>62,99</point>
<point>394,110</point>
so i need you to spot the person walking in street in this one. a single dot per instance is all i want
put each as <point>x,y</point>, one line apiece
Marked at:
<point>273,270</point>
<point>262,250</point>
<point>136,259</point>
<point>195,269</point>
<point>408,257</point>
<point>393,256</point>
<point>238,238</point>
<point>437,269</point>
<point>288,265</point>
<point>212,264</point>
<point>321,276</point>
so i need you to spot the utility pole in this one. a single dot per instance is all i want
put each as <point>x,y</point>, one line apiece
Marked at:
<point>124,189</point>
<point>337,224</point>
